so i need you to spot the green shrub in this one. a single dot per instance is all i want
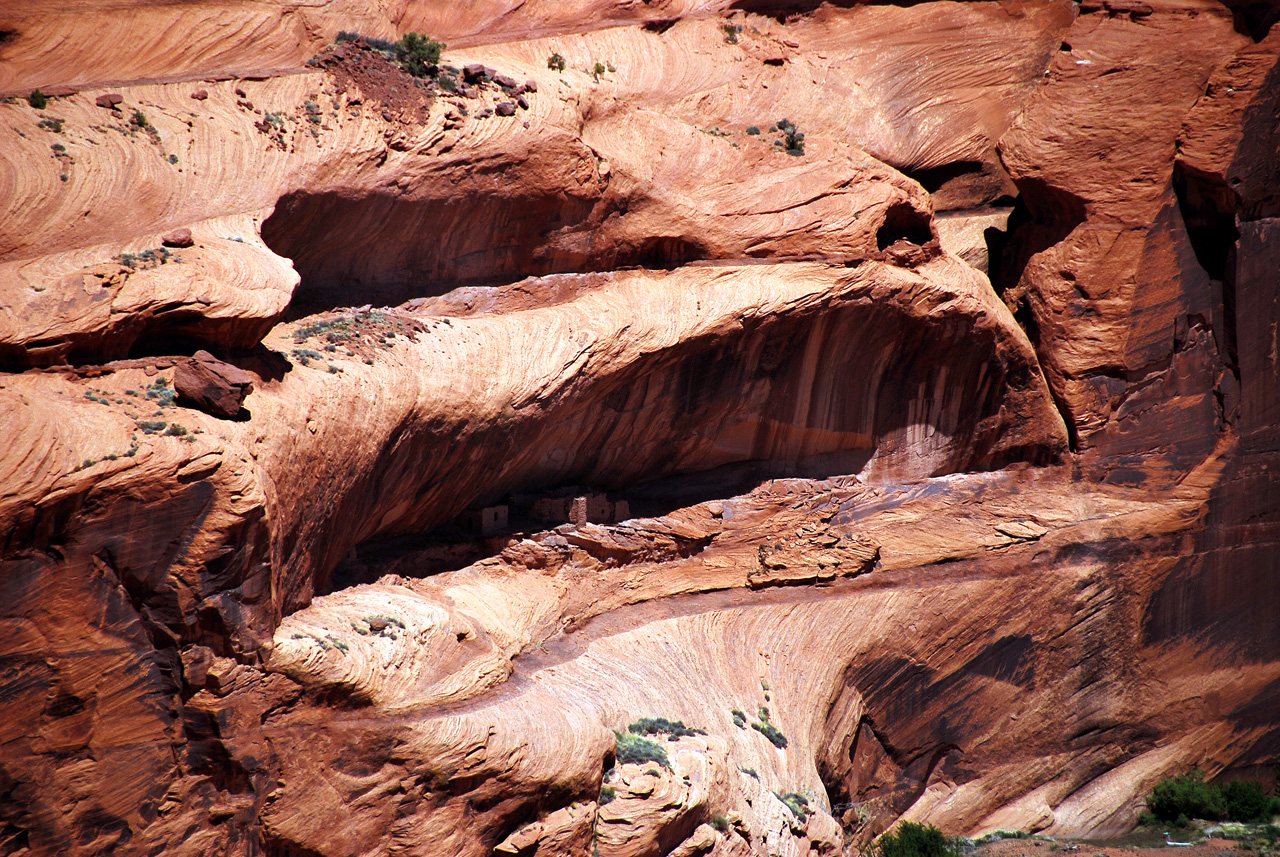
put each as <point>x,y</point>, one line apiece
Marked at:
<point>775,736</point>
<point>636,750</point>
<point>418,54</point>
<point>768,730</point>
<point>915,840</point>
<point>720,823</point>
<point>1186,796</point>
<point>754,131</point>
<point>555,62</point>
<point>598,70</point>
<point>798,804</point>
<point>1245,800</point>
<point>38,99</point>
<point>607,794</point>
<point>792,141</point>
<point>663,726</point>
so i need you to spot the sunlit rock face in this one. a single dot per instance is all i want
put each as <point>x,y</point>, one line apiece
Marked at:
<point>920,467</point>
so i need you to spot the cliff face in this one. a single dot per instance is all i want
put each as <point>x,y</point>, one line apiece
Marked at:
<point>924,466</point>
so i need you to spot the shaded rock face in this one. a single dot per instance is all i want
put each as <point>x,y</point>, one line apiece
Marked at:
<point>947,439</point>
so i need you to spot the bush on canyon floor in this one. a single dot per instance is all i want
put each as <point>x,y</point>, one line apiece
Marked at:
<point>1189,796</point>
<point>419,54</point>
<point>555,62</point>
<point>915,840</point>
<point>38,99</point>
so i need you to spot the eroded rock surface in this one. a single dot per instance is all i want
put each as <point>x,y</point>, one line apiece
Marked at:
<point>927,470</point>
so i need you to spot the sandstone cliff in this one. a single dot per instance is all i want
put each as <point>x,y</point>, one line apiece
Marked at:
<point>923,466</point>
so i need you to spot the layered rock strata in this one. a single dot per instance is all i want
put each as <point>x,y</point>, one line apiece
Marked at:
<point>949,434</point>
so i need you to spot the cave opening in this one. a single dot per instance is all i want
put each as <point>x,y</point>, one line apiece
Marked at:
<point>385,248</point>
<point>903,223</point>
<point>818,395</point>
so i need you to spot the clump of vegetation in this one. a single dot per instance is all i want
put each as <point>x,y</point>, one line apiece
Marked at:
<point>607,794</point>
<point>720,823</point>
<point>325,643</point>
<point>173,159</point>
<point>377,44</point>
<point>140,122</point>
<point>306,355</point>
<point>798,804</point>
<point>38,99</point>
<point>555,62</point>
<point>1176,799</point>
<point>418,54</point>
<point>377,625</point>
<point>50,124</point>
<point>739,718</point>
<point>768,730</point>
<point>753,130</point>
<point>148,258</point>
<point>1259,838</point>
<point>636,750</point>
<point>915,840</point>
<point>731,32</point>
<point>160,392</point>
<point>151,426</point>
<point>750,772</point>
<point>368,329</point>
<point>597,71</point>
<point>997,835</point>
<point>675,729</point>
<point>792,140</point>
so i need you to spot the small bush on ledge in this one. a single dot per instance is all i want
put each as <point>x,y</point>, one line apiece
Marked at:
<point>419,55</point>
<point>636,750</point>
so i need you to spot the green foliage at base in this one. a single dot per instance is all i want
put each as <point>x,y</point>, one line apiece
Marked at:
<point>1189,796</point>
<point>915,840</point>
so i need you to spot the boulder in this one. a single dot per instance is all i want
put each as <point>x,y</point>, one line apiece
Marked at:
<point>110,100</point>
<point>180,237</point>
<point>506,108</point>
<point>212,385</point>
